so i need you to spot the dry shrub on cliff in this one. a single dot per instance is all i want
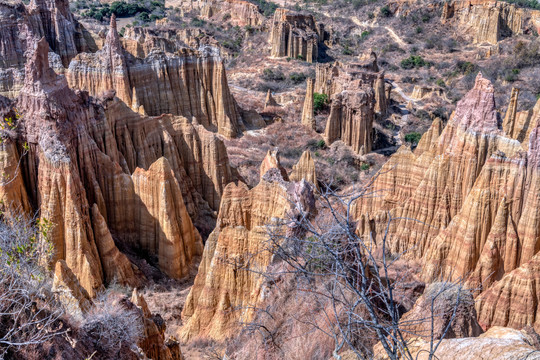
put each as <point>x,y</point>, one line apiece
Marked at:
<point>110,327</point>
<point>285,325</point>
<point>29,315</point>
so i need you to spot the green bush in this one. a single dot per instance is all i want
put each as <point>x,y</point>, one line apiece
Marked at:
<point>320,101</point>
<point>466,67</point>
<point>413,61</point>
<point>532,4</point>
<point>364,167</point>
<point>197,22</point>
<point>413,138</point>
<point>347,50</point>
<point>297,78</point>
<point>385,11</point>
<point>440,82</point>
<point>268,8</point>
<point>273,75</point>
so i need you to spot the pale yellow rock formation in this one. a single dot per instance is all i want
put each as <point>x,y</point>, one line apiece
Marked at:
<point>305,169</point>
<point>21,25</point>
<point>308,116</point>
<point>357,93</point>
<point>188,83</point>
<point>421,92</point>
<point>82,151</point>
<point>487,20</point>
<point>166,228</point>
<point>464,207</point>
<point>294,35</point>
<point>225,290</point>
<point>510,118</point>
<point>351,119</point>
<point>271,161</point>
<point>242,13</point>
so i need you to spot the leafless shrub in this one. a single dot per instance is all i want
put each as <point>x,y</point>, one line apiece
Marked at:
<point>355,280</point>
<point>110,326</point>
<point>29,315</point>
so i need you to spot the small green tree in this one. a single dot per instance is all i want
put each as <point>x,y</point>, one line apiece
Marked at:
<point>320,101</point>
<point>413,138</point>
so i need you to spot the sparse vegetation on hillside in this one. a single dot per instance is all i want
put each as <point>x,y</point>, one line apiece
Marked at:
<point>268,8</point>
<point>145,10</point>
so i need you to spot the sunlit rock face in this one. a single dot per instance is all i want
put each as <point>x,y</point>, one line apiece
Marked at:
<point>21,25</point>
<point>188,83</point>
<point>295,35</point>
<point>488,21</point>
<point>464,203</point>
<point>229,283</point>
<point>102,174</point>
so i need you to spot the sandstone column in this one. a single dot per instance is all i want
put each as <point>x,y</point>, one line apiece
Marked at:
<point>510,117</point>
<point>308,118</point>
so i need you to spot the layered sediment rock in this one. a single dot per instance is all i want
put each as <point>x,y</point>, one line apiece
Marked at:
<point>351,119</point>
<point>496,343</point>
<point>166,228</point>
<point>357,94</point>
<point>242,13</point>
<point>462,203</point>
<point>228,285</point>
<point>69,292</point>
<point>510,118</point>
<point>421,92</point>
<point>188,83</point>
<point>116,266</point>
<point>271,161</point>
<point>489,21</point>
<point>141,41</point>
<point>152,341</point>
<point>295,35</point>
<point>83,151</point>
<point>305,169</point>
<point>308,117</point>
<point>21,25</point>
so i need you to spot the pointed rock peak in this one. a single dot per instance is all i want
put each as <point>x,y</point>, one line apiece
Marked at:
<point>271,161</point>
<point>511,111</point>
<point>113,40</point>
<point>483,84</point>
<point>305,169</point>
<point>161,166</point>
<point>37,67</point>
<point>138,300</point>
<point>430,137</point>
<point>270,101</point>
<point>476,110</point>
<point>113,22</point>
